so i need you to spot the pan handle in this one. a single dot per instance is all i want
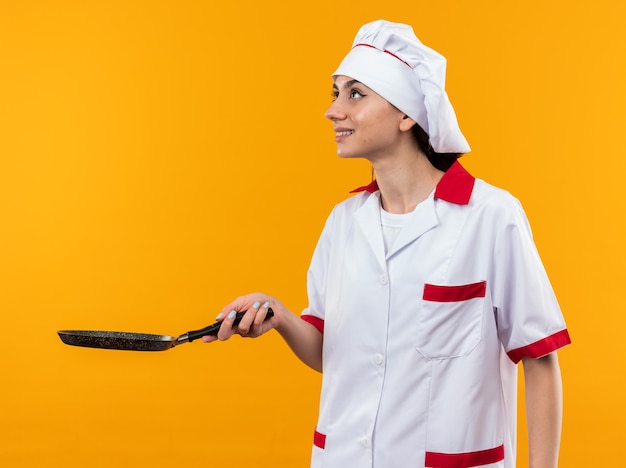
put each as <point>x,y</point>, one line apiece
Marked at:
<point>213,329</point>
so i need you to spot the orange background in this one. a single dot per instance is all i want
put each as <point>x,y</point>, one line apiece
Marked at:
<point>159,158</point>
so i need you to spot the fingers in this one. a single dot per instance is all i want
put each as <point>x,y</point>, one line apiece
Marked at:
<point>211,338</point>
<point>248,319</point>
<point>260,318</point>
<point>252,324</point>
<point>227,328</point>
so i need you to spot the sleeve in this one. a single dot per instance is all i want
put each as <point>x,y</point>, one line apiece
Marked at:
<point>317,277</point>
<point>530,321</point>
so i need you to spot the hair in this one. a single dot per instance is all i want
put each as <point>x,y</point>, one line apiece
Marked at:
<point>441,161</point>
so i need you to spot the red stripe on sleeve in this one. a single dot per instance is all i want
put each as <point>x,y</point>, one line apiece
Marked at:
<point>319,440</point>
<point>541,347</point>
<point>315,321</point>
<point>435,293</point>
<point>465,460</point>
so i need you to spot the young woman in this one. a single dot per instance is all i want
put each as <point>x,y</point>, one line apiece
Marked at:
<point>425,288</point>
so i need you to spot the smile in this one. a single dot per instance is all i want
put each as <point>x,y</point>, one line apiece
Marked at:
<point>346,133</point>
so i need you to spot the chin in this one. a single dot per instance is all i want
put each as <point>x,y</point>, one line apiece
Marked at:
<point>346,154</point>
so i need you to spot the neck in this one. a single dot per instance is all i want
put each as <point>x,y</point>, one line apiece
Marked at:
<point>405,180</point>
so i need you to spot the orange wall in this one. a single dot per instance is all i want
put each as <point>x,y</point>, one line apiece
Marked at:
<point>159,158</point>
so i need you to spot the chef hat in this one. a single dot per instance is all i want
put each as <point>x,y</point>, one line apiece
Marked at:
<point>388,58</point>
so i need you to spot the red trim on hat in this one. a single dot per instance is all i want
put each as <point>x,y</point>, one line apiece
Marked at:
<point>455,186</point>
<point>464,292</point>
<point>315,321</point>
<point>465,460</point>
<point>540,348</point>
<point>385,51</point>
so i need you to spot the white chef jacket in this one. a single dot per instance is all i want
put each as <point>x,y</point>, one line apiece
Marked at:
<point>421,342</point>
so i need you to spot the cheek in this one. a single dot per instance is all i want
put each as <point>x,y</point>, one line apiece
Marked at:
<point>379,122</point>
<point>377,131</point>
<point>376,125</point>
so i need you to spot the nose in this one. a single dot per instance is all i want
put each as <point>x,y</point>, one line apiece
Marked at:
<point>334,112</point>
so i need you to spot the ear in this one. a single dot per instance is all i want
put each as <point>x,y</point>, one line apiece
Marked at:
<point>406,123</point>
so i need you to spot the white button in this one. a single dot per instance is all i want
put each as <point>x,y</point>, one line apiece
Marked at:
<point>365,442</point>
<point>378,359</point>
<point>384,279</point>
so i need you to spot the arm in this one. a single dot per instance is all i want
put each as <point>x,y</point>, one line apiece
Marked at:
<point>304,340</point>
<point>544,408</point>
<point>302,337</point>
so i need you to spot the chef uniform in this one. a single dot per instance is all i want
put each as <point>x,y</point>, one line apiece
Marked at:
<point>422,335</point>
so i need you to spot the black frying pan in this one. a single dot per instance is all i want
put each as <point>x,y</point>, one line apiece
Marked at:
<point>139,341</point>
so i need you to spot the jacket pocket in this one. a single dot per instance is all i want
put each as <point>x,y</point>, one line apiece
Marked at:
<point>450,319</point>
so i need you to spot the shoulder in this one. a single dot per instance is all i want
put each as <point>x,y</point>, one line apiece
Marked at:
<point>353,203</point>
<point>343,214</point>
<point>497,206</point>
<point>491,197</point>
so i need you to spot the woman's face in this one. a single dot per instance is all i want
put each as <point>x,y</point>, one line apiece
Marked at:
<point>365,124</point>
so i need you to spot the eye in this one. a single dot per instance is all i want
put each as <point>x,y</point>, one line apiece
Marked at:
<point>334,95</point>
<point>356,94</point>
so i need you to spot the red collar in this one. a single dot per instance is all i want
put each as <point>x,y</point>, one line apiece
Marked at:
<point>455,186</point>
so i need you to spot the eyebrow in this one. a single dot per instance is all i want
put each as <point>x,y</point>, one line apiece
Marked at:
<point>347,84</point>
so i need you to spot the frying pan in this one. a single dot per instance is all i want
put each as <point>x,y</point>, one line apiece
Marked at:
<point>139,341</point>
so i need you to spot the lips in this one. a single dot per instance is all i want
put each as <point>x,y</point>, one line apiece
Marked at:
<point>342,132</point>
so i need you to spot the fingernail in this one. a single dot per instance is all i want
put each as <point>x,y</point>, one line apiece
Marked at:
<point>256,305</point>
<point>219,316</point>
<point>231,314</point>
<point>267,304</point>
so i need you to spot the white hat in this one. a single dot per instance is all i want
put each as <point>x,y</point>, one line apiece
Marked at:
<point>388,58</point>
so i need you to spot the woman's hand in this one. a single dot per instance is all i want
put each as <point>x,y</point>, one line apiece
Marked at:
<point>303,338</point>
<point>254,323</point>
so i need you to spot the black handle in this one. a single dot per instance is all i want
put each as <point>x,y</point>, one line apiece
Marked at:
<point>213,329</point>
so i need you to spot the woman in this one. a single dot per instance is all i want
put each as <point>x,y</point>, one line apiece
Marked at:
<point>425,288</point>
